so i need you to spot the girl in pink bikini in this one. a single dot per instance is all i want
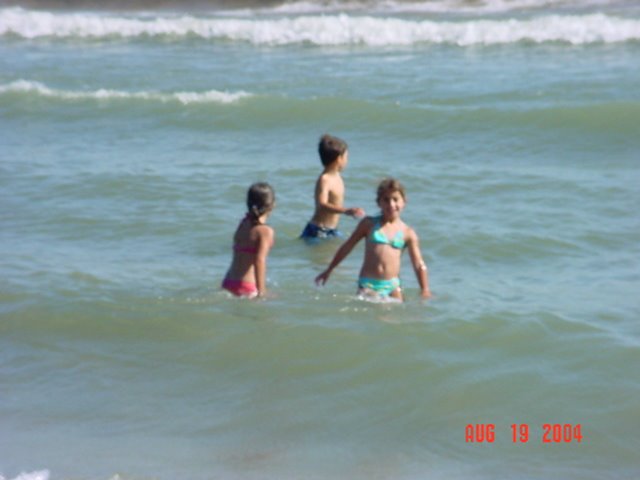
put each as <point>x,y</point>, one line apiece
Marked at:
<point>252,241</point>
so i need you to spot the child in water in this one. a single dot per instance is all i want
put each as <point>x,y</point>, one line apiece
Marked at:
<point>329,191</point>
<point>386,236</point>
<point>252,242</point>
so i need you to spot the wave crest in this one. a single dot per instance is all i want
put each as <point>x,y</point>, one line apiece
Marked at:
<point>335,30</point>
<point>37,475</point>
<point>185,98</point>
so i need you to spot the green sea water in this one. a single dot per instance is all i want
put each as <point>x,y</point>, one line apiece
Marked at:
<point>127,143</point>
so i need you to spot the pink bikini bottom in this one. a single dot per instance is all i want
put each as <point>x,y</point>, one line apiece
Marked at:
<point>240,288</point>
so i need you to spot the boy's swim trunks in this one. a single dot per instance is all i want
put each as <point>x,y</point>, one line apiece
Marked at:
<point>314,231</point>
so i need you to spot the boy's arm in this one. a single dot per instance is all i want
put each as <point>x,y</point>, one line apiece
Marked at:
<point>323,191</point>
<point>265,242</point>
<point>422,273</point>
<point>345,249</point>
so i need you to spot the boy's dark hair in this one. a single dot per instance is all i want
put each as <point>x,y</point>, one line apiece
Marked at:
<point>260,199</point>
<point>330,148</point>
<point>390,185</point>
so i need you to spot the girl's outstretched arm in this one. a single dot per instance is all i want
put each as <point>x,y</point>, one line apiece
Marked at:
<point>265,242</point>
<point>422,273</point>
<point>345,249</point>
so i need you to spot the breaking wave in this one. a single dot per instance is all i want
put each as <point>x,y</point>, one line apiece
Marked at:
<point>332,30</point>
<point>185,98</point>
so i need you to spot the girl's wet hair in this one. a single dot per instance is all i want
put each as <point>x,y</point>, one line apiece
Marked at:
<point>260,199</point>
<point>390,185</point>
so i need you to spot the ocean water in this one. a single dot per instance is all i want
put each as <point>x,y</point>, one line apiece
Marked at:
<point>129,134</point>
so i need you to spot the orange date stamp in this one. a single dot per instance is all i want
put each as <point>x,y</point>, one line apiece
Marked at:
<point>522,433</point>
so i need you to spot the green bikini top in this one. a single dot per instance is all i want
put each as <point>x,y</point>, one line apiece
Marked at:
<point>377,236</point>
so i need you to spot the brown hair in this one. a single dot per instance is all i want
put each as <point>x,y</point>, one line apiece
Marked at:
<point>260,199</point>
<point>330,148</point>
<point>390,185</point>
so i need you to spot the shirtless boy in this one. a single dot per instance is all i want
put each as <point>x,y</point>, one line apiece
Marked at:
<point>329,193</point>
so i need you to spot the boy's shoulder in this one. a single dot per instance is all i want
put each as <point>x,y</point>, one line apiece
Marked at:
<point>329,178</point>
<point>330,174</point>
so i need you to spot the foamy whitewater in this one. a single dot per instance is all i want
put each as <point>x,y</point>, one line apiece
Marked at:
<point>324,29</point>
<point>129,133</point>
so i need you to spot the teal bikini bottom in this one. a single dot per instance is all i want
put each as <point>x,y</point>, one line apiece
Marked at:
<point>383,287</point>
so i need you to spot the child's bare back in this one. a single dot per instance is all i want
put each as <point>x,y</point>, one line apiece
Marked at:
<point>329,192</point>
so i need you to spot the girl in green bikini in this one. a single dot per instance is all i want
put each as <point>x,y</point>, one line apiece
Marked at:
<point>386,236</point>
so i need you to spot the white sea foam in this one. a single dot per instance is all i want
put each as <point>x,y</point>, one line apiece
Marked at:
<point>37,475</point>
<point>434,6</point>
<point>340,29</point>
<point>210,96</point>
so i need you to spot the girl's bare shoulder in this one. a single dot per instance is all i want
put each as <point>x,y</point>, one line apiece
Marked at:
<point>409,233</point>
<point>263,230</point>
<point>367,223</point>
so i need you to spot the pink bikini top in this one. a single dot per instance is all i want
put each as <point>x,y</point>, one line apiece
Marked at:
<point>241,249</point>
